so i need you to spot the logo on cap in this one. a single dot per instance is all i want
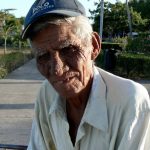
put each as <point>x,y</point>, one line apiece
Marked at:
<point>40,2</point>
<point>42,5</point>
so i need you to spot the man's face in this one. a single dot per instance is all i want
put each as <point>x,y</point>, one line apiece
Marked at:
<point>63,59</point>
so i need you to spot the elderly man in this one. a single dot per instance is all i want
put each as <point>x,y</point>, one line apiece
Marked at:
<point>80,106</point>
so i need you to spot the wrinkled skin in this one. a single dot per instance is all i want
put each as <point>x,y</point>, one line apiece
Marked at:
<point>67,62</point>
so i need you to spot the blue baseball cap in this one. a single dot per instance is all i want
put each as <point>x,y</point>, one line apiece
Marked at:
<point>40,8</point>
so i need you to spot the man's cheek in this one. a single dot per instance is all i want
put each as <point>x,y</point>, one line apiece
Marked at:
<point>43,70</point>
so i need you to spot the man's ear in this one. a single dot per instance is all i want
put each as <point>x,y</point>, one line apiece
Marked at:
<point>96,42</point>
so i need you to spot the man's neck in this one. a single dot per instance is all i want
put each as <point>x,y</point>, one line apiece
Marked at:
<point>75,108</point>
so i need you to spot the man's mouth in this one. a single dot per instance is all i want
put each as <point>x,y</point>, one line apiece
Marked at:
<point>66,78</point>
<point>62,81</point>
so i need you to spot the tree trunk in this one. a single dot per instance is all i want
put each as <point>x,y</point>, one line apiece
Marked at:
<point>5,44</point>
<point>19,45</point>
<point>129,18</point>
<point>101,18</point>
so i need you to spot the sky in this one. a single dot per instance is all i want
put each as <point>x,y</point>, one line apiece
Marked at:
<point>22,6</point>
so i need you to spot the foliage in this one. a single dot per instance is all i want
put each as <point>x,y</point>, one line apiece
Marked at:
<point>115,19</point>
<point>10,30</point>
<point>110,45</point>
<point>11,61</point>
<point>138,23</point>
<point>16,41</point>
<point>3,72</point>
<point>139,44</point>
<point>133,66</point>
<point>7,28</point>
<point>142,7</point>
<point>122,41</point>
<point>129,65</point>
<point>108,55</point>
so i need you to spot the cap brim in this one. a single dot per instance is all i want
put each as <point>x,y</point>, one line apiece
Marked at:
<point>68,13</point>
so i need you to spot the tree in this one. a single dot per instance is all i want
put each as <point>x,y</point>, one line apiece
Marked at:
<point>1,21</point>
<point>10,31</point>
<point>115,19</point>
<point>7,27</point>
<point>129,18</point>
<point>142,7</point>
<point>138,23</point>
<point>18,29</point>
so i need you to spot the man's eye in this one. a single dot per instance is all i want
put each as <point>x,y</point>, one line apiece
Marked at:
<point>69,50</point>
<point>43,58</point>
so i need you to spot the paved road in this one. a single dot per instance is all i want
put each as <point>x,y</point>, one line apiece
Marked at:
<point>17,94</point>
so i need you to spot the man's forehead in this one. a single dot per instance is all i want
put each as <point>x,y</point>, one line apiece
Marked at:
<point>49,30</point>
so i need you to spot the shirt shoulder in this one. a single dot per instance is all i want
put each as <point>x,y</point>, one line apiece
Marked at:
<point>125,92</point>
<point>46,97</point>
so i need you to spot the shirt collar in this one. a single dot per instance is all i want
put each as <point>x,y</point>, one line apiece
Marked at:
<point>96,110</point>
<point>57,104</point>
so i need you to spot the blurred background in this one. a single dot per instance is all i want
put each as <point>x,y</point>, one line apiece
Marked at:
<point>124,27</point>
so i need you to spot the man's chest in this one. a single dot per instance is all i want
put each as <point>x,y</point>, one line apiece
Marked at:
<point>87,137</point>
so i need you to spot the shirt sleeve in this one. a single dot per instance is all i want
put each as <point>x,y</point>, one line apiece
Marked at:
<point>136,135</point>
<point>36,140</point>
<point>41,137</point>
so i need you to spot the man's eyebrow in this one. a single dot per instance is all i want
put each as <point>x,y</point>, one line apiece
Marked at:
<point>65,43</point>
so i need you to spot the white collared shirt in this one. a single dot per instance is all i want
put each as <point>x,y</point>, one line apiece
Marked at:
<point>117,117</point>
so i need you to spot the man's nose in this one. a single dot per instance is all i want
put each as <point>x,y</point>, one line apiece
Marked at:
<point>57,64</point>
